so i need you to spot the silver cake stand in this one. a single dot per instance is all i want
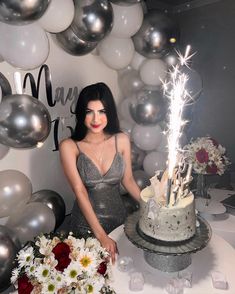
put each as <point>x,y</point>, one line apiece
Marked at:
<point>167,256</point>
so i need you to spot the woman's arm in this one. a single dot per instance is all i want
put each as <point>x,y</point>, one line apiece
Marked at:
<point>68,155</point>
<point>128,180</point>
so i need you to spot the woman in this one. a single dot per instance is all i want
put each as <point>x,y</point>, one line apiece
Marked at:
<point>96,159</point>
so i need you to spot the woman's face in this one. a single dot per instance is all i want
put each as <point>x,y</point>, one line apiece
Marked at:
<point>96,119</point>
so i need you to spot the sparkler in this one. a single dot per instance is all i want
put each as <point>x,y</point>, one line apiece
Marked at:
<point>176,92</point>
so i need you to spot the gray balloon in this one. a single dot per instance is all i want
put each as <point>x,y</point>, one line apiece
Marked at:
<point>72,44</point>
<point>157,35</point>
<point>148,108</point>
<point>54,201</point>
<point>7,257</point>
<point>15,190</point>
<point>93,19</point>
<point>19,12</point>
<point>24,121</point>
<point>130,82</point>
<point>137,157</point>
<point>125,2</point>
<point>31,220</point>
<point>141,178</point>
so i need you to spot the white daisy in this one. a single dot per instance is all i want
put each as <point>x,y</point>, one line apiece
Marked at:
<point>88,261</point>
<point>25,256</point>
<point>43,272</point>
<point>72,272</point>
<point>94,285</point>
<point>14,275</point>
<point>50,287</point>
<point>30,270</point>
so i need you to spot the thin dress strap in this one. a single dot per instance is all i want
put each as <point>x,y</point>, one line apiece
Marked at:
<point>76,143</point>
<point>116,147</point>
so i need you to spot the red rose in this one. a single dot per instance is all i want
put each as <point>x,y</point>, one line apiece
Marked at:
<point>24,285</point>
<point>61,252</point>
<point>202,155</point>
<point>212,169</point>
<point>102,268</point>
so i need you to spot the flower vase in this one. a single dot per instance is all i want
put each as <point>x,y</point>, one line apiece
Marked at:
<point>202,188</point>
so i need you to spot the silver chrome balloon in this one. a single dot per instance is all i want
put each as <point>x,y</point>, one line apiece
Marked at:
<point>148,108</point>
<point>54,201</point>
<point>24,121</point>
<point>18,12</point>
<point>8,251</point>
<point>157,35</point>
<point>72,44</point>
<point>93,20</point>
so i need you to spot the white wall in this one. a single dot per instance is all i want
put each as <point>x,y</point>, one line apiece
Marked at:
<point>42,165</point>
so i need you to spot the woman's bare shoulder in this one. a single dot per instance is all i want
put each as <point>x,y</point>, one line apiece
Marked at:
<point>66,144</point>
<point>122,137</point>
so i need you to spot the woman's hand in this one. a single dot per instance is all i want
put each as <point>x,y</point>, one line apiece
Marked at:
<point>110,245</point>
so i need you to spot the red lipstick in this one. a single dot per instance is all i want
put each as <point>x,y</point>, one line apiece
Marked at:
<point>95,126</point>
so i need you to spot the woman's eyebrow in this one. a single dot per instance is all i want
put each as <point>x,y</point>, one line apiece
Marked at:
<point>93,109</point>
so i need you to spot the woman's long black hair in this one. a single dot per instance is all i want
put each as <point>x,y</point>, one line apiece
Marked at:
<point>101,92</point>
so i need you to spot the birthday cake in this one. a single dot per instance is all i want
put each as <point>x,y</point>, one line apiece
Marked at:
<point>172,219</point>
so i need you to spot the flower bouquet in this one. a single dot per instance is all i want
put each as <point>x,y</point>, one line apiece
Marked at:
<point>207,156</point>
<point>59,264</point>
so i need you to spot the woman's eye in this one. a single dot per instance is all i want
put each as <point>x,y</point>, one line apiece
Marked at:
<point>88,111</point>
<point>102,111</point>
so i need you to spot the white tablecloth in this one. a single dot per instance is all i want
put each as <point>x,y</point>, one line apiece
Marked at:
<point>217,256</point>
<point>222,224</point>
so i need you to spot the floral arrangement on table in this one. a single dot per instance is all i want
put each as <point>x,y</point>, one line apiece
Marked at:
<point>58,264</point>
<point>207,156</point>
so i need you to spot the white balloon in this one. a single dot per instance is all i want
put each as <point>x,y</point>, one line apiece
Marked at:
<point>152,71</point>
<point>147,137</point>
<point>137,60</point>
<point>25,47</point>
<point>116,52</point>
<point>58,16</point>
<point>123,109</point>
<point>127,20</point>
<point>154,161</point>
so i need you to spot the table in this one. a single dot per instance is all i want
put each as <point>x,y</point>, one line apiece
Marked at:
<point>223,224</point>
<point>218,255</point>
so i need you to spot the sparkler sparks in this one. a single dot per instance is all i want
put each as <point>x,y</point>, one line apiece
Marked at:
<point>175,91</point>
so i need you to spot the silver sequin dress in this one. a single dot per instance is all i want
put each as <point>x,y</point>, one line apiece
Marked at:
<point>104,194</point>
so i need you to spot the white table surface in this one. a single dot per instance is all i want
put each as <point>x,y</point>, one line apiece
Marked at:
<point>219,255</point>
<point>222,224</point>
